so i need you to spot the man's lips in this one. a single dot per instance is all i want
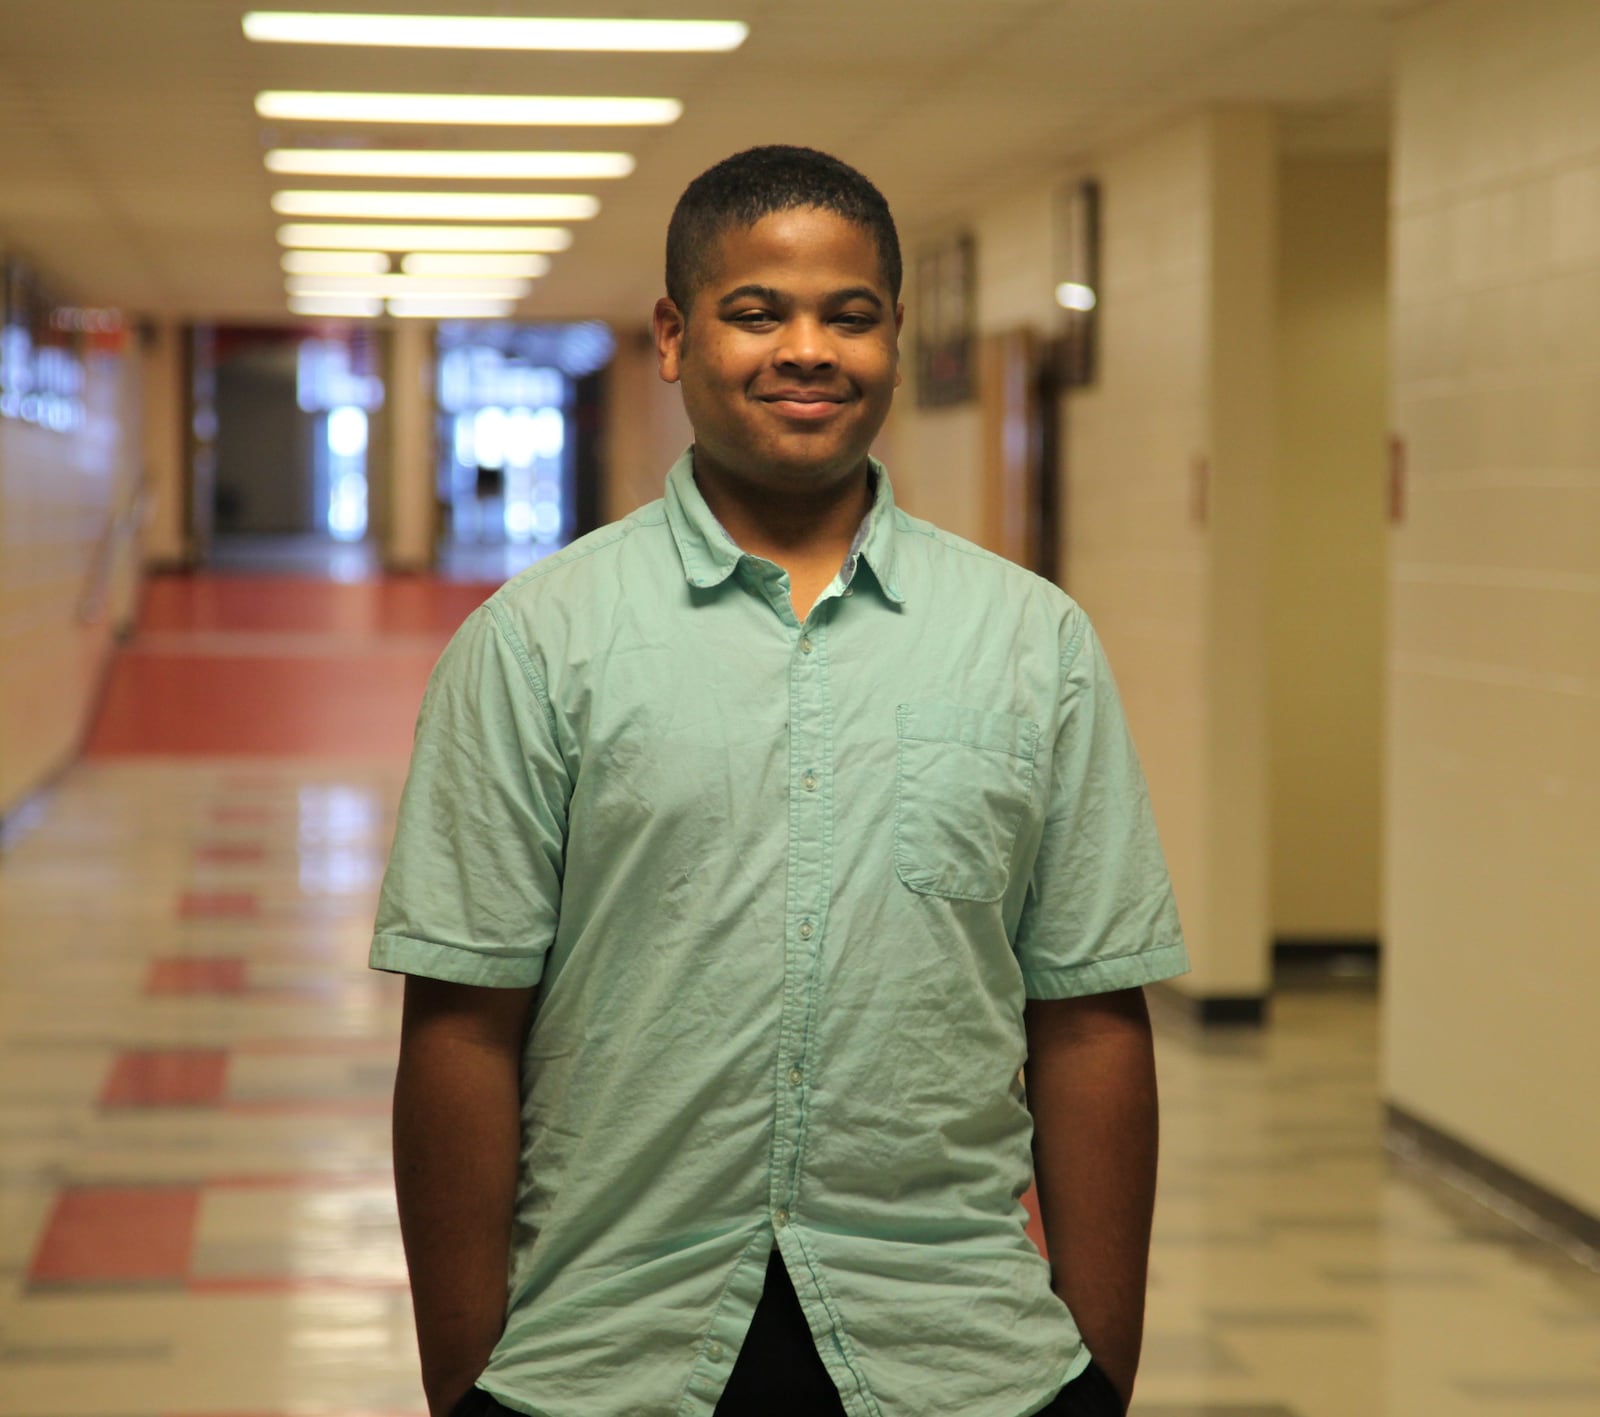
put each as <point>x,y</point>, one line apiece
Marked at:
<point>802,403</point>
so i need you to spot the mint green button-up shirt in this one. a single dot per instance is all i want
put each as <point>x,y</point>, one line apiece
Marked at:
<point>783,888</point>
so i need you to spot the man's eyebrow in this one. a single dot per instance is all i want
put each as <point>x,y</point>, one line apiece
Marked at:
<point>748,292</point>
<point>859,292</point>
<point>770,296</point>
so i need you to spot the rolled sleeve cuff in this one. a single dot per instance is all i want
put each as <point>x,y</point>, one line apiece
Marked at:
<point>1102,976</point>
<point>401,954</point>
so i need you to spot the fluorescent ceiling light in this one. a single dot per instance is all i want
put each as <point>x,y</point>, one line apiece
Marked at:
<point>331,236</point>
<point>389,162</point>
<point>529,109</point>
<point>334,263</point>
<point>444,206</point>
<point>493,32</point>
<point>457,288</point>
<point>421,308</point>
<point>452,263</point>
<point>357,306</point>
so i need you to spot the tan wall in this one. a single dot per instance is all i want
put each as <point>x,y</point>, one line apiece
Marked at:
<point>1493,778</point>
<point>1325,609</point>
<point>165,537</point>
<point>1185,376</point>
<point>645,427</point>
<point>63,587</point>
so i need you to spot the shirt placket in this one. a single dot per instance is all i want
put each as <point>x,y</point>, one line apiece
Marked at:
<point>810,871</point>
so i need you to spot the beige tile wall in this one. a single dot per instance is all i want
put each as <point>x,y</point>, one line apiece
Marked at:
<point>645,427</point>
<point>1181,317</point>
<point>1493,780</point>
<point>58,495</point>
<point>1329,542</point>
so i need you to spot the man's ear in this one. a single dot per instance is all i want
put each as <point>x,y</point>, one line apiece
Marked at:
<point>669,326</point>
<point>899,325</point>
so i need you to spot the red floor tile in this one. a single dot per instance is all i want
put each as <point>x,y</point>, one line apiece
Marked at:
<point>195,1077</point>
<point>188,975</point>
<point>177,705</point>
<point>231,853</point>
<point>118,1234</point>
<point>359,700</point>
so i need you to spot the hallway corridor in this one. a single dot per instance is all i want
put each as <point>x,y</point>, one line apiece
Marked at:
<point>196,1215</point>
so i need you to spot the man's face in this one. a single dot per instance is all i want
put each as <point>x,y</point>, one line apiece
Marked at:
<point>790,354</point>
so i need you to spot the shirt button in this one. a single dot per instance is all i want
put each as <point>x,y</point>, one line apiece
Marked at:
<point>805,644</point>
<point>714,1351</point>
<point>807,929</point>
<point>796,1076</point>
<point>809,781</point>
<point>780,1218</point>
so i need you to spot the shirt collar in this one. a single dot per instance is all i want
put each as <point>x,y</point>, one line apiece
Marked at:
<point>710,555</point>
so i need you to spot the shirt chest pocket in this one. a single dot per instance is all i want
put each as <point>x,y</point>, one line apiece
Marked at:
<point>963,782</point>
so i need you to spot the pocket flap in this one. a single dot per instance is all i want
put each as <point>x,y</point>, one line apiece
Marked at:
<point>972,728</point>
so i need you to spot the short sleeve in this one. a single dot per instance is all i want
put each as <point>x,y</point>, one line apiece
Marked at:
<point>473,888</point>
<point>1099,913</point>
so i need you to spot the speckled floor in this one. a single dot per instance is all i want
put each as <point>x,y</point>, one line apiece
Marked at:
<point>196,1217</point>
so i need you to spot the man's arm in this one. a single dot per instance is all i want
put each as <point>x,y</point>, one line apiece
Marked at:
<point>1091,1087</point>
<point>457,1138</point>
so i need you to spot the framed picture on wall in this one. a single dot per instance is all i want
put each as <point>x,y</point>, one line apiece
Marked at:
<point>946,347</point>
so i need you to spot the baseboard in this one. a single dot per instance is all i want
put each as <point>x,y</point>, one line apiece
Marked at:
<point>1214,1010</point>
<point>1327,961</point>
<point>1324,947</point>
<point>1540,1211</point>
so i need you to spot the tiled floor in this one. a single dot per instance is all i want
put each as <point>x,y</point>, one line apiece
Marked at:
<point>195,1210</point>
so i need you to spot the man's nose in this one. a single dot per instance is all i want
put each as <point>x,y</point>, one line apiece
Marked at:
<point>807,344</point>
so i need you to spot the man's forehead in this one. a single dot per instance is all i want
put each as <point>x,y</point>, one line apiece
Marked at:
<point>807,246</point>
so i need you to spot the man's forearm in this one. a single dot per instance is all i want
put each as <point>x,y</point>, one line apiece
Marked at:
<point>457,1121</point>
<point>1092,1091</point>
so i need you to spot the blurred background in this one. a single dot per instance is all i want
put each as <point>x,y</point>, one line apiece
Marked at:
<point>1269,329</point>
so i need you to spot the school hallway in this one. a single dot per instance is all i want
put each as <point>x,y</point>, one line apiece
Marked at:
<point>196,1210</point>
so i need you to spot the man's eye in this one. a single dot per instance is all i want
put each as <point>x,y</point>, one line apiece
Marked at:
<point>856,320</point>
<point>753,317</point>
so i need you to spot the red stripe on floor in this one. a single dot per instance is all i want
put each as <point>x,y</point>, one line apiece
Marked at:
<point>112,1234</point>
<point>211,905</point>
<point>191,1077</point>
<point>185,975</point>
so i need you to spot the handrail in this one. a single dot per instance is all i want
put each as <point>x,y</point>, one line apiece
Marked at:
<point>119,525</point>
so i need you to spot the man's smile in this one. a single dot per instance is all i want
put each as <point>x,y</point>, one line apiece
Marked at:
<point>802,403</point>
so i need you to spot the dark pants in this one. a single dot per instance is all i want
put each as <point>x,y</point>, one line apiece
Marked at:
<point>778,1372</point>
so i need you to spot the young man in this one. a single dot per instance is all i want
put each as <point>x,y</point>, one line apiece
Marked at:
<point>750,846</point>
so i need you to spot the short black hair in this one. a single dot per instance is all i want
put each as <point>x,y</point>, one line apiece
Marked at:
<point>757,182</point>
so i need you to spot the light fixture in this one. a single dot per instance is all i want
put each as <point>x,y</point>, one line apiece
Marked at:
<point>495,32</point>
<point>443,162</point>
<point>334,263</point>
<point>445,308</point>
<point>458,287</point>
<point>1072,296</point>
<point>441,206</point>
<point>332,236</point>
<point>357,307</point>
<point>503,109</point>
<point>454,263</point>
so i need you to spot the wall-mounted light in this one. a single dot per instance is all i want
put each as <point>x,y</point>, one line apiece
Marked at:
<point>1070,295</point>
